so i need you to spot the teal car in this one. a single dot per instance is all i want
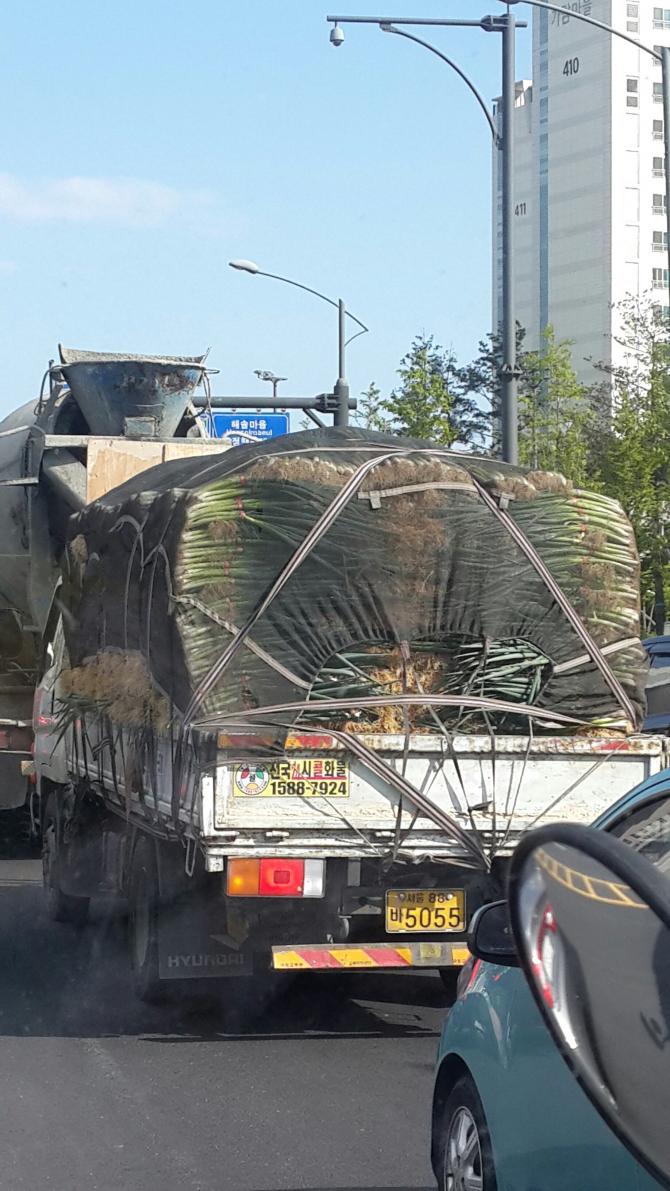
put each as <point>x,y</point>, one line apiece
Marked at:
<point>507,1113</point>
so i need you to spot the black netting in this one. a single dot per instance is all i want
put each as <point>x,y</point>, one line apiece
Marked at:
<point>416,586</point>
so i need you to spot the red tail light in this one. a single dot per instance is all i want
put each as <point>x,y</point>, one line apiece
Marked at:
<point>282,878</point>
<point>248,877</point>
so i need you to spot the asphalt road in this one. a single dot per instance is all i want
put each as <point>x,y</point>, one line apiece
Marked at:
<point>327,1087</point>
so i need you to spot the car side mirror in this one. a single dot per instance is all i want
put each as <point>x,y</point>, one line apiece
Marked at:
<point>490,935</point>
<point>591,919</point>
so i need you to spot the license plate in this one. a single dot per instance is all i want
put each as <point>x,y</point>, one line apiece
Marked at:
<point>297,777</point>
<point>411,911</point>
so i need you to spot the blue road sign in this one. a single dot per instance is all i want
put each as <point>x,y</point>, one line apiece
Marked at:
<point>240,428</point>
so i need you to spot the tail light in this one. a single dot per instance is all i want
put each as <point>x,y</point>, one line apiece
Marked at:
<point>281,878</point>
<point>275,878</point>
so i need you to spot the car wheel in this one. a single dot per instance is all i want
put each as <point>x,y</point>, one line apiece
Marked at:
<point>467,1161</point>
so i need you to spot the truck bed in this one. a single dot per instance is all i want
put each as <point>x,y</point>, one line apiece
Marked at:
<point>496,792</point>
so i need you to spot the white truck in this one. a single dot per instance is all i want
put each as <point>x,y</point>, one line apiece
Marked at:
<point>345,849</point>
<point>309,862</point>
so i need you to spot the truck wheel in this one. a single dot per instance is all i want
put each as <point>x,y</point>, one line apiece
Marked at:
<point>144,923</point>
<point>61,907</point>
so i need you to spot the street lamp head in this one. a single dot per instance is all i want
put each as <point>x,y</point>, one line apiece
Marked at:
<point>245,266</point>
<point>336,35</point>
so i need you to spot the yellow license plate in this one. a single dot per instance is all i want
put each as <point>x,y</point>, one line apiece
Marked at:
<point>412,911</point>
<point>297,777</point>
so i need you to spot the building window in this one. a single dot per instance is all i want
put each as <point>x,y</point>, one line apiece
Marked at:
<point>658,92</point>
<point>633,26</point>
<point>660,204</point>
<point>659,278</point>
<point>658,167</point>
<point>658,130</point>
<point>662,18</point>
<point>659,241</point>
<point>632,93</point>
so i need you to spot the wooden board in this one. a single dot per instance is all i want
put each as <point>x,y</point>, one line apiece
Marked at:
<point>112,461</point>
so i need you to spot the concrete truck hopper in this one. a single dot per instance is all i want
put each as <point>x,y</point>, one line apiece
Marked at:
<point>100,419</point>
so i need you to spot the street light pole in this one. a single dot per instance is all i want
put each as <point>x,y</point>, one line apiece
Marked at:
<point>509,403</point>
<point>341,414</point>
<point>341,403</point>
<point>507,26</point>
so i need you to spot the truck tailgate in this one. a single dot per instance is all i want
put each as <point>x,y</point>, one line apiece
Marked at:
<point>501,790</point>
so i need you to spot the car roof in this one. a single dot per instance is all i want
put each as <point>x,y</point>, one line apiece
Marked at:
<point>657,644</point>
<point>656,784</point>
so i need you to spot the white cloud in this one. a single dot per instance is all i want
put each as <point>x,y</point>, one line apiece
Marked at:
<point>130,202</point>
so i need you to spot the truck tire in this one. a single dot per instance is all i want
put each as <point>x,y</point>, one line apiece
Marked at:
<point>61,907</point>
<point>144,901</point>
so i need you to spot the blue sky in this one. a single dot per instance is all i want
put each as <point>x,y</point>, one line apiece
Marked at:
<point>145,144</point>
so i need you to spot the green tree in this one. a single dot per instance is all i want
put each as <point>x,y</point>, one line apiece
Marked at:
<point>480,383</point>
<point>555,413</point>
<point>634,462</point>
<point>372,412</point>
<point>430,401</point>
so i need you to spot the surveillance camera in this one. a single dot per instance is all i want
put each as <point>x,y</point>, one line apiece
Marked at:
<point>336,35</point>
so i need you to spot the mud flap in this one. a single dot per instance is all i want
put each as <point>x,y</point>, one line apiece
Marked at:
<point>192,944</point>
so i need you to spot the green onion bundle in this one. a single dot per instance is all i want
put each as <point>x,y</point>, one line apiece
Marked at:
<point>416,587</point>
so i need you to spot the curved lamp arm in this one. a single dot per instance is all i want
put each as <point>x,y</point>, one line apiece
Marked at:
<point>588,20</point>
<point>317,294</point>
<point>388,28</point>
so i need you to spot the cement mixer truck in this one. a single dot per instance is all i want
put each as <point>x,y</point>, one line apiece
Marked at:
<point>98,420</point>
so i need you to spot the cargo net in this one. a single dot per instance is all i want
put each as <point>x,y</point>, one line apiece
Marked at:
<point>355,582</point>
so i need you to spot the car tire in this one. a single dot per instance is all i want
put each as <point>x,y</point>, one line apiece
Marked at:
<point>143,923</point>
<point>467,1158</point>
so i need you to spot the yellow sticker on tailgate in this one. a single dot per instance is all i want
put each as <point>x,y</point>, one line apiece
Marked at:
<point>297,777</point>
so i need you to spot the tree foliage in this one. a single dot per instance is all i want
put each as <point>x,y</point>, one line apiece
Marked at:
<point>555,412</point>
<point>480,380</point>
<point>424,403</point>
<point>613,436</point>
<point>633,463</point>
<point>430,401</point>
<point>372,411</point>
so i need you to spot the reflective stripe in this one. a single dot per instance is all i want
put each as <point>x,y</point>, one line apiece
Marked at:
<point>322,956</point>
<point>459,956</point>
<point>399,957</point>
<point>290,959</point>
